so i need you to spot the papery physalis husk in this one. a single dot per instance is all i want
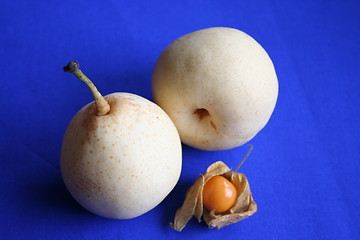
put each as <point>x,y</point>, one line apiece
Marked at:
<point>193,203</point>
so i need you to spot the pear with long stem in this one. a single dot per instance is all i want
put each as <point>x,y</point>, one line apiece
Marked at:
<point>121,153</point>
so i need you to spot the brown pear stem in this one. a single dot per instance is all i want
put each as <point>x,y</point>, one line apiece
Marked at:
<point>244,158</point>
<point>102,105</point>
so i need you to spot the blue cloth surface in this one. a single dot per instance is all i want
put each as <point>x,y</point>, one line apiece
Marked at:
<point>305,167</point>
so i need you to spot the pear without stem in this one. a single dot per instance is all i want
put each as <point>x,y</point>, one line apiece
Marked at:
<point>218,85</point>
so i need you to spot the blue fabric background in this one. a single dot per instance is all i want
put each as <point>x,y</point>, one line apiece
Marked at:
<point>304,170</point>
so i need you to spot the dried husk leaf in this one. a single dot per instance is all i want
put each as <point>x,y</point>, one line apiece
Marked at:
<point>193,203</point>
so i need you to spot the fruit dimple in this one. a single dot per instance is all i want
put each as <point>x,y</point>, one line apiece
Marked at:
<point>201,112</point>
<point>219,194</point>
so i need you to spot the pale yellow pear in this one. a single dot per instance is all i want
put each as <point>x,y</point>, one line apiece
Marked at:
<point>218,85</point>
<point>121,155</point>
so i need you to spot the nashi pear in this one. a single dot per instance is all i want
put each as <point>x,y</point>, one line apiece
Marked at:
<point>121,154</point>
<point>218,85</point>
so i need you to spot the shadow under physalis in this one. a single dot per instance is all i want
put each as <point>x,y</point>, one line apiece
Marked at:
<point>219,196</point>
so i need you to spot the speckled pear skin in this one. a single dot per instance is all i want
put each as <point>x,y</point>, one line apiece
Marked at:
<point>125,163</point>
